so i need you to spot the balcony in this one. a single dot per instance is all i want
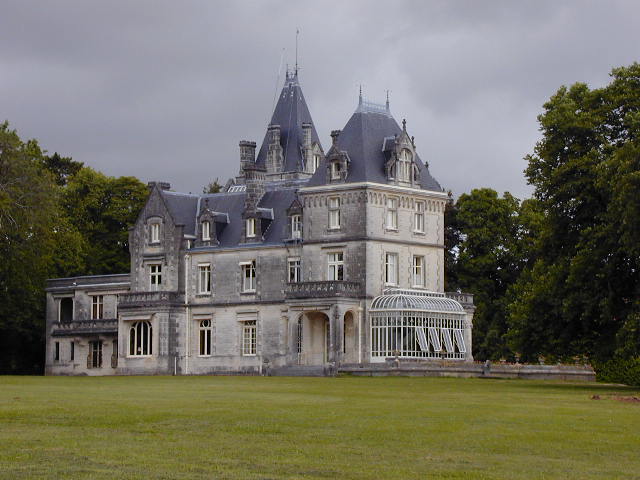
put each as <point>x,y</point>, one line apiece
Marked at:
<point>149,299</point>
<point>103,326</point>
<point>464,299</point>
<point>324,289</point>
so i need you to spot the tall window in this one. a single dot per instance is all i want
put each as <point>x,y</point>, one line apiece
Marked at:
<point>249,338</point>
<point>206,231</point>
<point>417,270</point>
<point>391,269</point>
<point>56,352</point>
<point>155,276</point>
<point>204,278</point>
<point>95,354</point>
<point>404,166</point>
<point>295,222</point>
<point>251,227</point>
<point>205,338</point>
<point>140,339</point>
<point>248,276</point>
<point>392,213</point>
<point>418,218</point>
<point>155,232</point>
<point>334,213</point>
<point>295,270</point>
<point>65,312</point>
<point>97,306</point>
<point>72,353</point>
<point>336,266</point>
<point>315,163</point>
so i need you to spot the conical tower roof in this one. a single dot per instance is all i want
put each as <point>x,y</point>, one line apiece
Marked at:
<point>290,113</point>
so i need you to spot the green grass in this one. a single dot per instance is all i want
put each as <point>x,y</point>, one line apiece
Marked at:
<point>349,427</point>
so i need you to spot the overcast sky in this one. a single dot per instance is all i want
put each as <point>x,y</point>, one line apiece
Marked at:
<point>165,90</point>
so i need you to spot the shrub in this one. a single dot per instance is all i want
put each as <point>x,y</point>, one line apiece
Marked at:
<point>619,370</point>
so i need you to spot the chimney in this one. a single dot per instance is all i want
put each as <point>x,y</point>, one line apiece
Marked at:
<point>274,154</point>
<point>161,185</point>
<point>334,137</point>
<point>254,180</point>
<point>247,154</point>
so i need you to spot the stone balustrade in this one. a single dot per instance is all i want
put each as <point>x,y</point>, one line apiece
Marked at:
<point>102,326</point>
<point>464,299</point>
<point>149,299</point>
<point>323,289</point>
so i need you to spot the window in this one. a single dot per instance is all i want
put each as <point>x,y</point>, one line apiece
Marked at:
<point>295,270</point>
<point>155,276</point>
<point>95,354</point>
<point>335,171</point>
<point>65,313</point>
<point>97,307</point>
<point>249,338</point>
<point>205,338</point>
<point>295,222</point>
<point>140,339</point>
<point>204,278</point>
<point>206,231</point>
<point>391,269</point>
<point>418,218</point>
<point>72,352</point>
<point>334,213</point>
<point>154,232</point>
<point>417,270</point>
<point>249,276</point>
<point>336,266</point>
<point>56,353</point>
<point>392,213</point>
<point>251,227</point>
<point>404,166</point>
<point>315,163</point>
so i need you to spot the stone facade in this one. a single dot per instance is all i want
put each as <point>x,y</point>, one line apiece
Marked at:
<point>279,271</point>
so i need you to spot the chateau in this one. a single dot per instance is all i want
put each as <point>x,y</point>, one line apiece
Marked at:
<point>308,261</point>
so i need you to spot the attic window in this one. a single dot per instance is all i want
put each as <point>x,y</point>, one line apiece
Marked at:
<point>154,233</point>
<point>315,163</point>
<point>251,227</point>
<point>335,171</point>
<point>403,166</point>
<point>206,231</point>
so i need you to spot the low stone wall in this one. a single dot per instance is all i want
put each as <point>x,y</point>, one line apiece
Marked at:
<point>472,369</point>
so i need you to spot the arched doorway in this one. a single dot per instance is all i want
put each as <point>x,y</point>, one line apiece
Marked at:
<point>350,339</point>
<point>313,342</point>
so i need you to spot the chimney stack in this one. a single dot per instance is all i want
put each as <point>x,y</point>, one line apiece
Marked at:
<point>334,137</point>
<point>254,180</point>
<point>161,185</point>
<point>274,154</point>
<point>247,154</point>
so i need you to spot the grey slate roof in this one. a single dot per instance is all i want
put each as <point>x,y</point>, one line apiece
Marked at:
<point>290,113</point>
<point>363,138</point>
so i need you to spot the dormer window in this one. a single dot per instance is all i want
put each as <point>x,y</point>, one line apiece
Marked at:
<point>154,233</point>
<point>335,171</point>
<point>315,163</point>
<point>404,166</point>
<point>206,231</point>
<point>251,227</point>
<point>296,226</point>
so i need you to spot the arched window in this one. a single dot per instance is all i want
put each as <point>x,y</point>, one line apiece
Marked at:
<point>140,339</point>
<point>205,338</point>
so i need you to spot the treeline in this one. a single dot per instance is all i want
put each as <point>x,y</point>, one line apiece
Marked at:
<point>57,218</point>
<point>557,276</point>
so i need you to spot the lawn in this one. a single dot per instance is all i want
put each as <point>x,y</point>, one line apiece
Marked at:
<point>348,427</point>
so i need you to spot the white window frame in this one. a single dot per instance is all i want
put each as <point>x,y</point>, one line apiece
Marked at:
<point>249,338</point>
<point>335,266</point>
<point>418,279</point>
<point>315,162</point>
<point>250,227</point>
<point>391,269</point>
<point>404,170</point>
<point>295,222</point>
<point>335,170</point>
<point>392,213</point>
<point>249,276</point>
<point>140,339</point>
<point>97,307</point>
<point>418,217</point>
<point>333,204</point>
<point>294,267</point>
<point>206,231</point>
<point>154,232</point>
<point>204,278</point>
<point>155,276</point>
<point>205,337</point>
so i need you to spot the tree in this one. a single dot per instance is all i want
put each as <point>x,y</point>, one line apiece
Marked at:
<point>579,293</point>
<point>213,187</point>
<point>487,264</point>
<point>63,168</point>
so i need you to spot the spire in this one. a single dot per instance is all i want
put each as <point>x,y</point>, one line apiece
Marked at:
<point>387,104</point>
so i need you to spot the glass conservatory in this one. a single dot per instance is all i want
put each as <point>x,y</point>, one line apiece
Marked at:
<point>417,324</point>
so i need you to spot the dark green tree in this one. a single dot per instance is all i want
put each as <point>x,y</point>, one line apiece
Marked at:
<point>62,168</point>
<point>578,295</point>
<point>213,187</point>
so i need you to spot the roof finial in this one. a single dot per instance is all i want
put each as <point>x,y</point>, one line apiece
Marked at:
<point>297,32</point>
<point>404,124</point>
<point>387,101</point>
<point>360,96</point>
